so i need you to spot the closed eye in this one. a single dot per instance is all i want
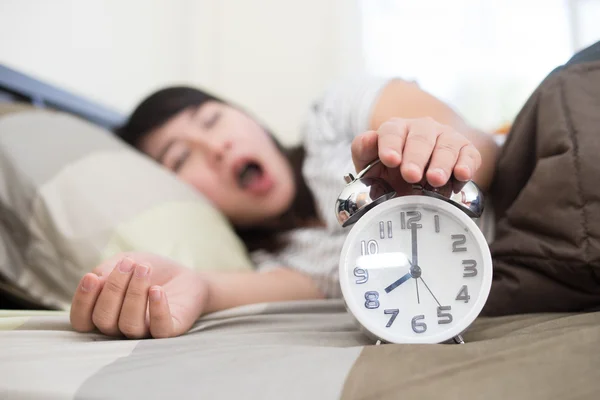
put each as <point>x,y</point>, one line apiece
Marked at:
<point>209,123</point>
<point>180,160</point>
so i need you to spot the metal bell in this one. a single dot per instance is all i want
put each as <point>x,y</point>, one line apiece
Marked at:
<point>360,195</point>
<point>466,196</point>
<point>363,193</point>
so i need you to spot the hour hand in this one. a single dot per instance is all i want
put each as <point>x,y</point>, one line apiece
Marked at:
<point>394,260</point>
<point>399,282</point>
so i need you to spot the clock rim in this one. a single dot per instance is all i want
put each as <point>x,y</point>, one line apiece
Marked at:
<point>475,310</point>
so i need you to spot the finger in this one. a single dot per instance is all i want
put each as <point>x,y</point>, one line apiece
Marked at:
<point>469,161</point>
<point>161,322</point>
<point>84,301</point>
<point>364,149</point>
<point>444,157</point>
<point>392,136</point>
<point>108,306</point>
<point>106,267</point>
<point>132,320</point>
<point>419,145</point>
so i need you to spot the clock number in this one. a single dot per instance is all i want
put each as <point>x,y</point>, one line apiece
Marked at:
<point>370,247</point>
<point>382,229</point>
<point>394,313</point>
<point>470,267</point>
<point>418,327</point>
<point>362,275</point>
<point>436,221</point>
<point>459,240</point>
<point>463,294</point>
<point>413,218</point>
<point>372,300</point>
<point>446,315</point>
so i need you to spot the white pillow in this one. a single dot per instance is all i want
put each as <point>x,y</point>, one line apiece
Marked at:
<point>71,195</point>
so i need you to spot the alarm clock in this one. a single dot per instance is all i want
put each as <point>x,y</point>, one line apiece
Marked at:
<point>414,268</point>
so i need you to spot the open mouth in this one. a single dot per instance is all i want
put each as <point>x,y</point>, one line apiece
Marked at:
<point>249,173</point>
<point>252,177</point>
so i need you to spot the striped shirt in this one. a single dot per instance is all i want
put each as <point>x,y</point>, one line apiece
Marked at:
<point>342,113</point>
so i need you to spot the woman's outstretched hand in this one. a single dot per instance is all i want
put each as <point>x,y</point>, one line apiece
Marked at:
<point>139,295</point>
<point>414,150</point>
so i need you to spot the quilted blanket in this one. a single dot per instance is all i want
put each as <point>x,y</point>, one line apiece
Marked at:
<point>546,195</point>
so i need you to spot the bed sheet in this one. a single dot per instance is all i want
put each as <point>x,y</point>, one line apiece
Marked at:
<point>300,350</point>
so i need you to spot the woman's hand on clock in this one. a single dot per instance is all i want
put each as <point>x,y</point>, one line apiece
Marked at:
<point>414,150</point>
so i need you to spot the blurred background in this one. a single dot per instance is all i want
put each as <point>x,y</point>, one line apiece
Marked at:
<point>273,57</point>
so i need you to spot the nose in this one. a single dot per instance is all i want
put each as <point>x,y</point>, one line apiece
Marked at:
<point>214,149</point>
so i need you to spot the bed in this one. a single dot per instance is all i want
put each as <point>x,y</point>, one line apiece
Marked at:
<point>289,350</point>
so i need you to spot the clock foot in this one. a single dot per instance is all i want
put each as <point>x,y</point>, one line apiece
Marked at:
<point>459,339</point>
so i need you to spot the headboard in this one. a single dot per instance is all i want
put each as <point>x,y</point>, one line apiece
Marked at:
<point>18,87</point>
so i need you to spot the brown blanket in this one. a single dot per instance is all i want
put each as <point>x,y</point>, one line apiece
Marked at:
<point>547,199</point>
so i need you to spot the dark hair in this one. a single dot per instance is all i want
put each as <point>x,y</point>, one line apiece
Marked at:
<point>164,104</point>
<point>158,108</point>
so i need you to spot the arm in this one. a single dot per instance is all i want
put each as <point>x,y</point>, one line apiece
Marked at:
<point>231,289</point>
<point>143,294</point>
<point>402,99</point>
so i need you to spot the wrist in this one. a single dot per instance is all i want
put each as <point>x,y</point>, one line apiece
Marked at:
<point>202,287</point>
<point>220,290</point>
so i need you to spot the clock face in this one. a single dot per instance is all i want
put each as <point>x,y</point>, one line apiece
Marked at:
<point>415,270</point>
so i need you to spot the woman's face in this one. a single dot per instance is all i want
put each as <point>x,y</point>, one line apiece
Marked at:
<point>228,157</point>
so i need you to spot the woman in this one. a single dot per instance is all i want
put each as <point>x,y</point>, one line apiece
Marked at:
<point>279,200</point>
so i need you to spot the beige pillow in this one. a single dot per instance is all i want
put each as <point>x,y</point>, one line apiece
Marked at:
<point>71,194</point>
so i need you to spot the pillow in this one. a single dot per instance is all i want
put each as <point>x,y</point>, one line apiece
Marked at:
<point>72,194</point>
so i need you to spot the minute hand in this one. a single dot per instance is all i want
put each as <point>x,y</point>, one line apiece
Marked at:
<point>413,235</point>
<point>415,270</point>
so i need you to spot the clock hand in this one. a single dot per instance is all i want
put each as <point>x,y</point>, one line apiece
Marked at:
<point>435,298</point>
<point>413,239</point>
<point>414,265</point>
<point>415,272</point>
<point>418,299</point>
<point>399,282</point>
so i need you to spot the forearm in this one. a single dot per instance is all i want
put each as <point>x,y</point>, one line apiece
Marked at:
<point>232,289</point>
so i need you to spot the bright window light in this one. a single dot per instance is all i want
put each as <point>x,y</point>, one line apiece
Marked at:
<point>484,57</point>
